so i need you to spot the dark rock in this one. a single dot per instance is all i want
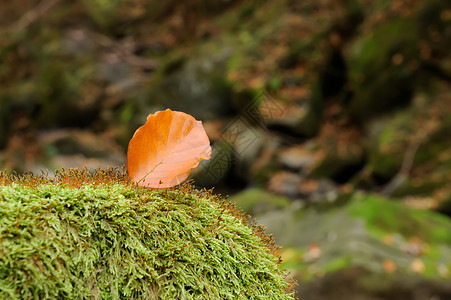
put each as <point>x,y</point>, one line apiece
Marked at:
<point>213,172</point>
<point>197,88</point>
<point>285,183</point>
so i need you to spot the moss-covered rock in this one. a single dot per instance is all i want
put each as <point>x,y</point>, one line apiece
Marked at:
<point>369,232</point>
<point>80,235</point>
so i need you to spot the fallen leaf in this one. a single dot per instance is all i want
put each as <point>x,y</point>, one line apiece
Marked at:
<point>415,246</point>
<point>162,152</point>
<point>388,239</point>
<point>417,265</point>
<point>313,252</point>
<point>389,266</point>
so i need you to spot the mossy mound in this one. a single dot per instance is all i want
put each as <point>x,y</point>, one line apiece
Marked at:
<point>79,235</point>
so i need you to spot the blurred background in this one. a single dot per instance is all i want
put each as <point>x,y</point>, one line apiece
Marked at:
<point>330,120</point>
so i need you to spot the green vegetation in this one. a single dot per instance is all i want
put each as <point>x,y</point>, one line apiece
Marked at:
<point>80,235</point>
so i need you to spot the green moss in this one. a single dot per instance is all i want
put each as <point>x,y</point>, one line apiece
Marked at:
<point>81,235</point>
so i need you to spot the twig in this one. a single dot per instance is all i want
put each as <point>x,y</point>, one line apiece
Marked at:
<point>32,15</point>
<point>129,57</point>
<point>406,166</point>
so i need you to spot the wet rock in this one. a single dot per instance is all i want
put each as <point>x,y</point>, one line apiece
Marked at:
<point>285,183</point>
<point>296,158</point>
<point>322,190</point>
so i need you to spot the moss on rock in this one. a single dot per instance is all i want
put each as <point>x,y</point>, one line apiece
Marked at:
<point>79,235</point>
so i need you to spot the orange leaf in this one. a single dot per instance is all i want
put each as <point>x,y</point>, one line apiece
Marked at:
<point>417,265</point>
<point>389,265</point>
<point>162,151</point>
